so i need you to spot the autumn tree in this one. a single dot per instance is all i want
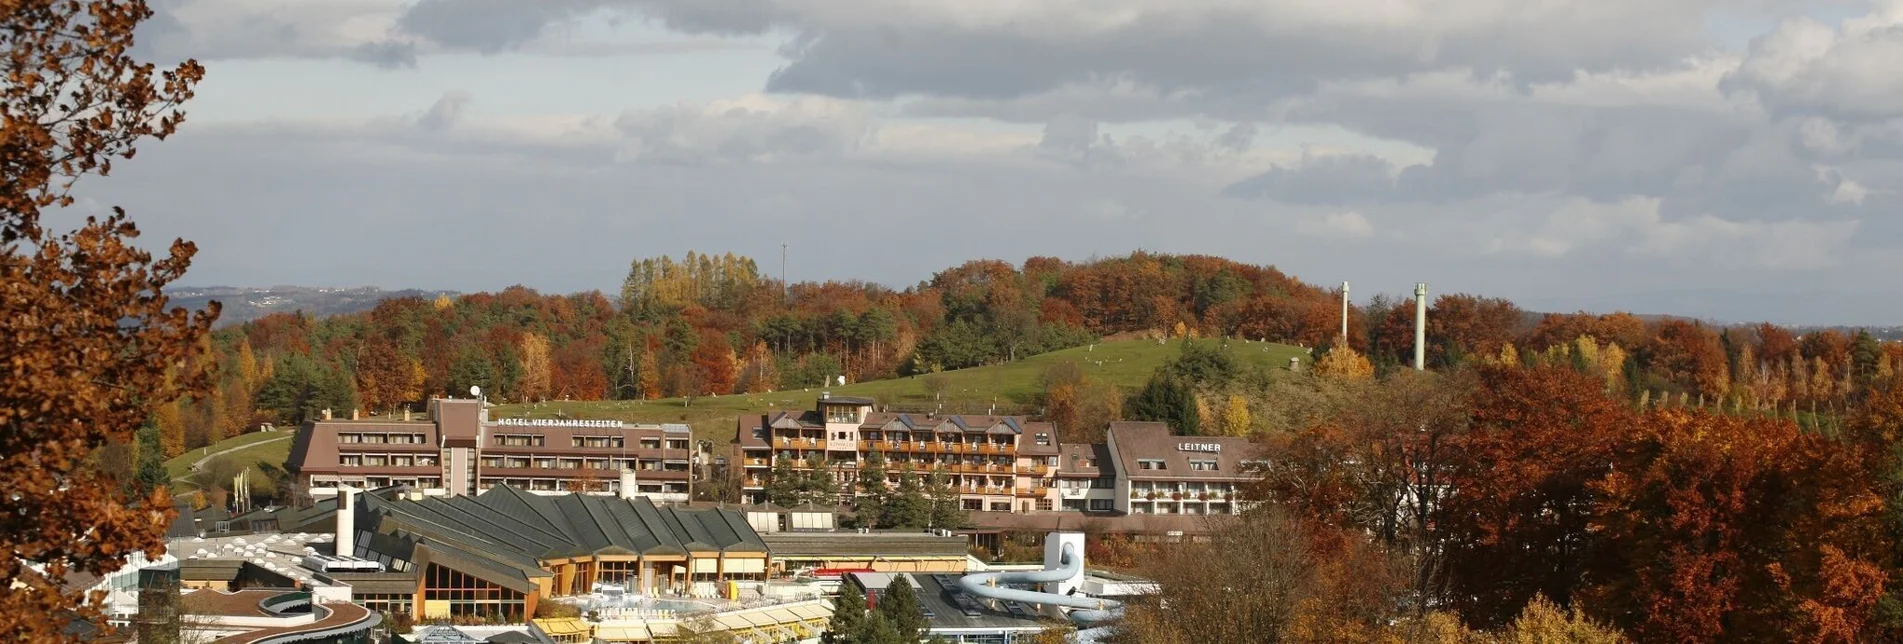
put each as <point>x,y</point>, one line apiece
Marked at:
<point>385,377</point>
<point>1282,579</point>
<point>1521,524</point>
<point>91,346</point>
<point>537,371</point>
<point>1344,363</point>
<point>171,428</point>
<point>1743,529</point>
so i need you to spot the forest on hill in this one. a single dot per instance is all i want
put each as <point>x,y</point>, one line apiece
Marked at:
<point>714,324</point>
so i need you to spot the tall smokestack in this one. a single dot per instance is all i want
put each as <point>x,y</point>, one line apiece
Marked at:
<point>1344,313</point>
<point>1420,325</point>
<point>346,521</point>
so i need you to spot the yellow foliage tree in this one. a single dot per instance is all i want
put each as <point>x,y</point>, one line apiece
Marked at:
<point>1235,417</point>
<point>442,302</point>
<point>1543,622</point>
<point>1344,363</point>
<point>171,428</point>
<point>536,370</point>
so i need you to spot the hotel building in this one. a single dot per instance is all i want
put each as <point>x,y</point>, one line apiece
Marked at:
<point>1163,474</point>
<point>997,463</point>
<point>458,450</point>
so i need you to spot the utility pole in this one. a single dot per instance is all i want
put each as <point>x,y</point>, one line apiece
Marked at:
<point>785,287</point>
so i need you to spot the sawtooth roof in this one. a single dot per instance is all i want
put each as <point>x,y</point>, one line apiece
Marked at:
<point>508,531</point>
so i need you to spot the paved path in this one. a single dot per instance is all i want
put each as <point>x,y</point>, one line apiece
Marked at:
<point>201,460</point>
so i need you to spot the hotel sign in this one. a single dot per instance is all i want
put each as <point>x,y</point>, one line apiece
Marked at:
<point>1199,447</point>
<point>556,422</point>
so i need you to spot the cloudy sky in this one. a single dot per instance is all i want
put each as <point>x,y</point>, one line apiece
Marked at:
<point>1733,158</point>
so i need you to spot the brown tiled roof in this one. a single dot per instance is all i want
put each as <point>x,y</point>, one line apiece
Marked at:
<point>1130,441</point>
<point>1076,458</point>
<point>316,448</point>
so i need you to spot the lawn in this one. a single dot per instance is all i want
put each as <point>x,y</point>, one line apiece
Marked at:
<point>1011,387</point>
<point>270,448</point>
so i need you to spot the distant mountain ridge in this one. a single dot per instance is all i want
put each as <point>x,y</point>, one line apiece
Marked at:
<point>246,303</point>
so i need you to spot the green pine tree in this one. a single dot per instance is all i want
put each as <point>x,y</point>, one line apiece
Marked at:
<point>908,508</point>
<point>946,509</point>
<point>869,506</point>
<point>876,629</point>
<point>783,484</point>
<point>899,605</point>
<point>151,472</point>
<point>1166,398</point>
<point>849,615</point>
<point>818,485</point>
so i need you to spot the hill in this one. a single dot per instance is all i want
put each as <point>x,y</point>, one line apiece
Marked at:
<point>256,450</point>
<point>244,304</point>
<point>1011,387</point>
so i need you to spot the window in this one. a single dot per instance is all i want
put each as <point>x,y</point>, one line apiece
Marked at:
<point>519,440</point>
<point>677,443</point>
<point>842,414</point>
<point>1000,506</point>
<point>350,438</point>
<point>1044,505</point>
<point>1102,505</point>
<point>650,443</point>
<point>1202,466</point>
<point>1043,439</point>
<point>1151,464</point>
<point>759,433</point>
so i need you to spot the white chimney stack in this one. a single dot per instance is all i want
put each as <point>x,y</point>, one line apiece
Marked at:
<point>629,483</point>
<point>1420,325</point>
<point>1344,313</point>
<point>346,521</point>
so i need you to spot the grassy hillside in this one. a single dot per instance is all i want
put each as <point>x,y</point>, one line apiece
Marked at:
<point>1010,386</point>
<point>268,448</point>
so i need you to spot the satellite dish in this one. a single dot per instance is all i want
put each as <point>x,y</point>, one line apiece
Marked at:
<point>475,391</point>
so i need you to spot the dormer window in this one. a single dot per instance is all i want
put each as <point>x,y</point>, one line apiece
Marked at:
<point>1043,439</point>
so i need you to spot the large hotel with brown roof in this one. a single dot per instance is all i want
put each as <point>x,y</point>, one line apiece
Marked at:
<point>1001,463</point>
<point>997,463</point>
<point>456,450</point>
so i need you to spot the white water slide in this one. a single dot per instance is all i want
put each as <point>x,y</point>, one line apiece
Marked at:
<point>1062,573</point>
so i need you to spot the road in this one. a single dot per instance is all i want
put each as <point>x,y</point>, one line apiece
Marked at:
<point>201,460</point>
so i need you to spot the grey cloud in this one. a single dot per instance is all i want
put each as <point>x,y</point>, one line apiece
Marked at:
<point>740,131</point>
<point>1075,141</point>
<point>387,54</point>
<point>1338,179</point>
<point>487,26</point>
<point>445,112</point>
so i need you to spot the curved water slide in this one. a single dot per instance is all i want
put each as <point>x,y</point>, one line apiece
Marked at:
<point>1070,565</point>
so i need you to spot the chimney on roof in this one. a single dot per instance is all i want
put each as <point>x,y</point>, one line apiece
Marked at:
<point>356,414</point>
<point>406,413</point>
<point>825,395</point>
<point>346,521</point>
<point>326,413</point>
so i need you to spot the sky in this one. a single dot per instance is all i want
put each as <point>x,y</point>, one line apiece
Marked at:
<point>1739,160</point>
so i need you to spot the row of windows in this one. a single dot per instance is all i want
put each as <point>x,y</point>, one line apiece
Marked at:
<point>380,439</point>
<point>1093,505</point>
<point>596,442</point>
<point>565,463</point>
<point>386,460</point>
